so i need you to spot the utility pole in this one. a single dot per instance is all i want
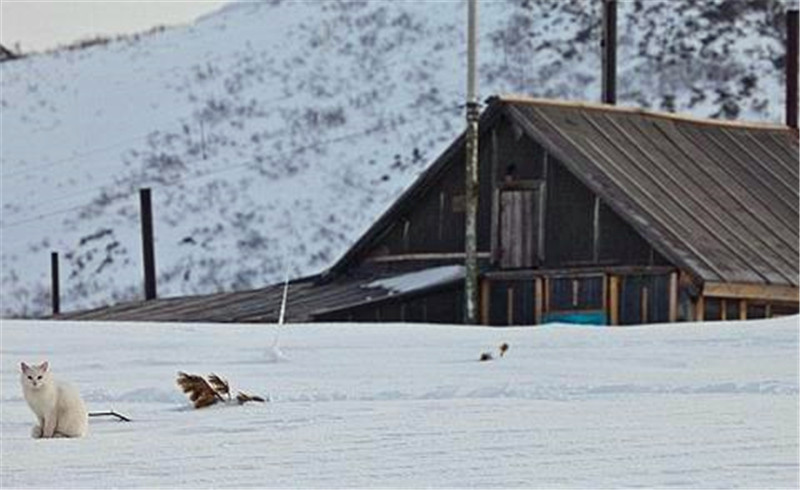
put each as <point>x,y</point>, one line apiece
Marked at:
<point>471,191</point>
<point>792,48</point>
<point>609,51</point>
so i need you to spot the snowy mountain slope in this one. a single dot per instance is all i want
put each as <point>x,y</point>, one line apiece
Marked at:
<point>276,132</point>
<point>710,405</point>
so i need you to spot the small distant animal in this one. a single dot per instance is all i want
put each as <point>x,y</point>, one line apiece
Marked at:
<point>485,356</point>
<point>58,406</point>
<point>503,348</point>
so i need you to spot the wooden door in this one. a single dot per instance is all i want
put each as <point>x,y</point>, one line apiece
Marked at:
<point>518,228</point>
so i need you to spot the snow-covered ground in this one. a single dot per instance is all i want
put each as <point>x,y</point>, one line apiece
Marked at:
<point>370,405</point>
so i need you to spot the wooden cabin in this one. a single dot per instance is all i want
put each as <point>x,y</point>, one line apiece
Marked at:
<point>588,213</point>
<point>606,215</point>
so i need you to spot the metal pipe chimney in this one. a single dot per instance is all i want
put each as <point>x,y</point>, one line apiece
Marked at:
<point>609,44</point>
<point>471,191</point>
<point>792,50</point>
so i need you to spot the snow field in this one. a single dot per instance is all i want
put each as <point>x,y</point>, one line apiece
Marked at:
<point>373,405</point>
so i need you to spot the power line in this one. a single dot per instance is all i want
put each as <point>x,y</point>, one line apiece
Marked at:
<point>184,162</point>
<point>229,168</point>
<point>101,149</point>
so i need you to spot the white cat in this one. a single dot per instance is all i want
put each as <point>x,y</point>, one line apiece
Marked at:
<point>58,406</point>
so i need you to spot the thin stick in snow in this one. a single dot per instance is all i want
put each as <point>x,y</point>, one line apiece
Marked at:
<point>110,413</point>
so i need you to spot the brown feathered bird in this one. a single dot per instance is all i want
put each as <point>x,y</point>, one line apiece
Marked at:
<point>204,393</point>
<point>200,392</point>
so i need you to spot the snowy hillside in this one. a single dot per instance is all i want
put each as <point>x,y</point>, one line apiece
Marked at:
<point>709,405</point>
<point>277,132</point>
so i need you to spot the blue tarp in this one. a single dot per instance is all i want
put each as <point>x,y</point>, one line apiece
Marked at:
<point>578,318</point>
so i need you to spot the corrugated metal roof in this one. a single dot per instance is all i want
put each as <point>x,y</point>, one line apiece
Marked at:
<point>718,198</point>
<point>306,298</point>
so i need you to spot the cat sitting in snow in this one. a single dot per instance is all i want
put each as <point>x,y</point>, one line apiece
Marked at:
<point>58,406</point>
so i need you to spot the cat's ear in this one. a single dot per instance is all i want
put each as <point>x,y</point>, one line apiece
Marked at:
<point>24,367</point>
<point>44,366</point>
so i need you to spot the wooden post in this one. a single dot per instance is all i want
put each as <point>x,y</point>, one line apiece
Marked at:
<point>613,300</point>
<point>609,51</point>
<point>700,309</point>
<point>723,307</point>
<point>148,253</point>
<point>55,294</point>
<point>673,297</point>
<point>596,230</point>
<point>742,309</point>
<point>546,295</point>
<point>645,303</point>
<point>538,300</point>
<point>485,297</point>
<point>510,305</point>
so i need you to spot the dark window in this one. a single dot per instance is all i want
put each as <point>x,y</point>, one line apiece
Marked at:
<point>512,302</point>
<point>523,303</point>
<point>498,303</point>
<point>415,310</point>
<point>732,309</point>
<point>713,309</point>
<point>644,299</point>
<point>576,293</point>
<point>756,310</point>
<point>779,309</point>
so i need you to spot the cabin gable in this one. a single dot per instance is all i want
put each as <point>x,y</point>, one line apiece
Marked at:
<point>533,214</point>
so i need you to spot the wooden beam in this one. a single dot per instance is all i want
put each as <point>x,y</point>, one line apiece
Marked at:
<point>596,230</point>
<point>613,300</point>
<point>538,300</point>
<point>424,256</point>
<point>673,297</point>
<point>485,291</point>
<point>742,309</point>
<point>752,291</point>
<point>540,235</point>
<point>575,292</point>
<point>591,271</point>
<point>605,296</point>
<point>700,309</point>
<point>645,304</point>
<point>510,305</point>
<point>546,295</point>
<point>495,215</point>
<point>495,231</point>
<point>723,309</point>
